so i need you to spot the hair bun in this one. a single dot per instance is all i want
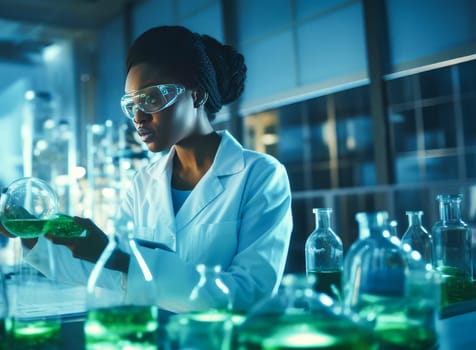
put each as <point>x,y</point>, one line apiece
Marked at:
<point>229,67</point>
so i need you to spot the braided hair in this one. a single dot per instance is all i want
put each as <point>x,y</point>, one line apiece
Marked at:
<point>198,61</point>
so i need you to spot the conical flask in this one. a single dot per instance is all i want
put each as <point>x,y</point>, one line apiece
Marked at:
<point>324,254</point>
<point>297,317</point>
<point>209,324</point>
<point>126,316</point>
<point>418,238</point>
<point>453,255</point>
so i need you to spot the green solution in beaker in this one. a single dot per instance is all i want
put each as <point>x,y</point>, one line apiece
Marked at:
<point>305,332</point>
<point>36,334</point>
<point>5,333</point>
<point>124,327</point>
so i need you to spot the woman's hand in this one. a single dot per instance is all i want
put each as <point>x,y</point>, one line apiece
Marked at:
<point>4,232</point>
<point>88,247</point>
<point>91,246</point>
<point>27,242</point>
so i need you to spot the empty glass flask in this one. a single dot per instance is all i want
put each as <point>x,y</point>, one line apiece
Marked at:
<point>124,316</point>
<point>324,254</point>
<point>452,240</point>
<point>418,238</point>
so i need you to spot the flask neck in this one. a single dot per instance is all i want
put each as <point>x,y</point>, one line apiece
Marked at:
<point>322,218</point>
<point>414,218</point>
<point>450,209</point>
<point>372,224</point>
<point>207,273</point>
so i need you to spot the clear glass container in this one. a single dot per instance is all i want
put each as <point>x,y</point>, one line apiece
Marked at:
<point>209,324</point>
<point>5,321</point>
<point>125,317</point>
<point>324,255</point>
<point>29,208</point>
<point>372,261</point>
<point>34,309</point>
<point>418,238</point>
<point>26,206</point>
<point>381,290</point>
<point>297,317</point>
<point>453,255</point>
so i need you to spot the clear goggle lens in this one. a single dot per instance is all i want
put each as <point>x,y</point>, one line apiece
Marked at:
<point>151,99</point>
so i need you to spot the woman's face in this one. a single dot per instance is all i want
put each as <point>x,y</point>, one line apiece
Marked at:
<point>167,127</point>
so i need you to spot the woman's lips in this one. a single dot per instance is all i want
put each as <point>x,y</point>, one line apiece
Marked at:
<point>145,135</point>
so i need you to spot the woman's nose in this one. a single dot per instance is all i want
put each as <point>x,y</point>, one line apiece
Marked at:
<point>141,117</point>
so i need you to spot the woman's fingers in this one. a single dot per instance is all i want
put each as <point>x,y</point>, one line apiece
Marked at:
<point>88,247</point>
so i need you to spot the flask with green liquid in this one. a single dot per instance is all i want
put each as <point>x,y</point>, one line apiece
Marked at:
<point>452,239</point>
<point>298,317</point>
<point>125,316</point>
<point>324,254</point>
<point>29,209</point>
<point>209,324</point>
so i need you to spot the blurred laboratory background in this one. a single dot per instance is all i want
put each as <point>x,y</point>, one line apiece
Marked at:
<point>370,104</point>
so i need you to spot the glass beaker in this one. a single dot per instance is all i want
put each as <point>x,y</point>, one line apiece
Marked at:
<point>324,255</point>
<point>125,317</point>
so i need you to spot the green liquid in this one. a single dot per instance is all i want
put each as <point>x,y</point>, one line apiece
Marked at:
<point>325,279</point>
<point>5,333</point>
<point>25,228</point>
<point>210,330</point>
<point>36,334</point>
<point>399,324</point>
<point>304,331</point>
<point>126,327</point>
<point>60,226</point>
<point>63,226</point>
<point>456,286</point>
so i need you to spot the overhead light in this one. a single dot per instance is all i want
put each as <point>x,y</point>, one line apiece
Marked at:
<point>51,52</point>
<point>30,95</point>
<point>269,139</point>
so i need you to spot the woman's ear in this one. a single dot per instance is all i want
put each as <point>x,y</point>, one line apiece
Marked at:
<point>200,96</point>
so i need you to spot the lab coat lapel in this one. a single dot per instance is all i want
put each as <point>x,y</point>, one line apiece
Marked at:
<point>163,213</point>
<point>202,195</point>
<point>228,160</point>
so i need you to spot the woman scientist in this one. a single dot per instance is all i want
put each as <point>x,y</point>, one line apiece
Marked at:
<point>205,197</point>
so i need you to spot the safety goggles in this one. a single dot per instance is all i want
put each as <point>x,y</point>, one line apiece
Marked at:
<point>151,99</point>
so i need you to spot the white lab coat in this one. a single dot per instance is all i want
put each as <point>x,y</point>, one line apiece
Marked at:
<point>237,216</point>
